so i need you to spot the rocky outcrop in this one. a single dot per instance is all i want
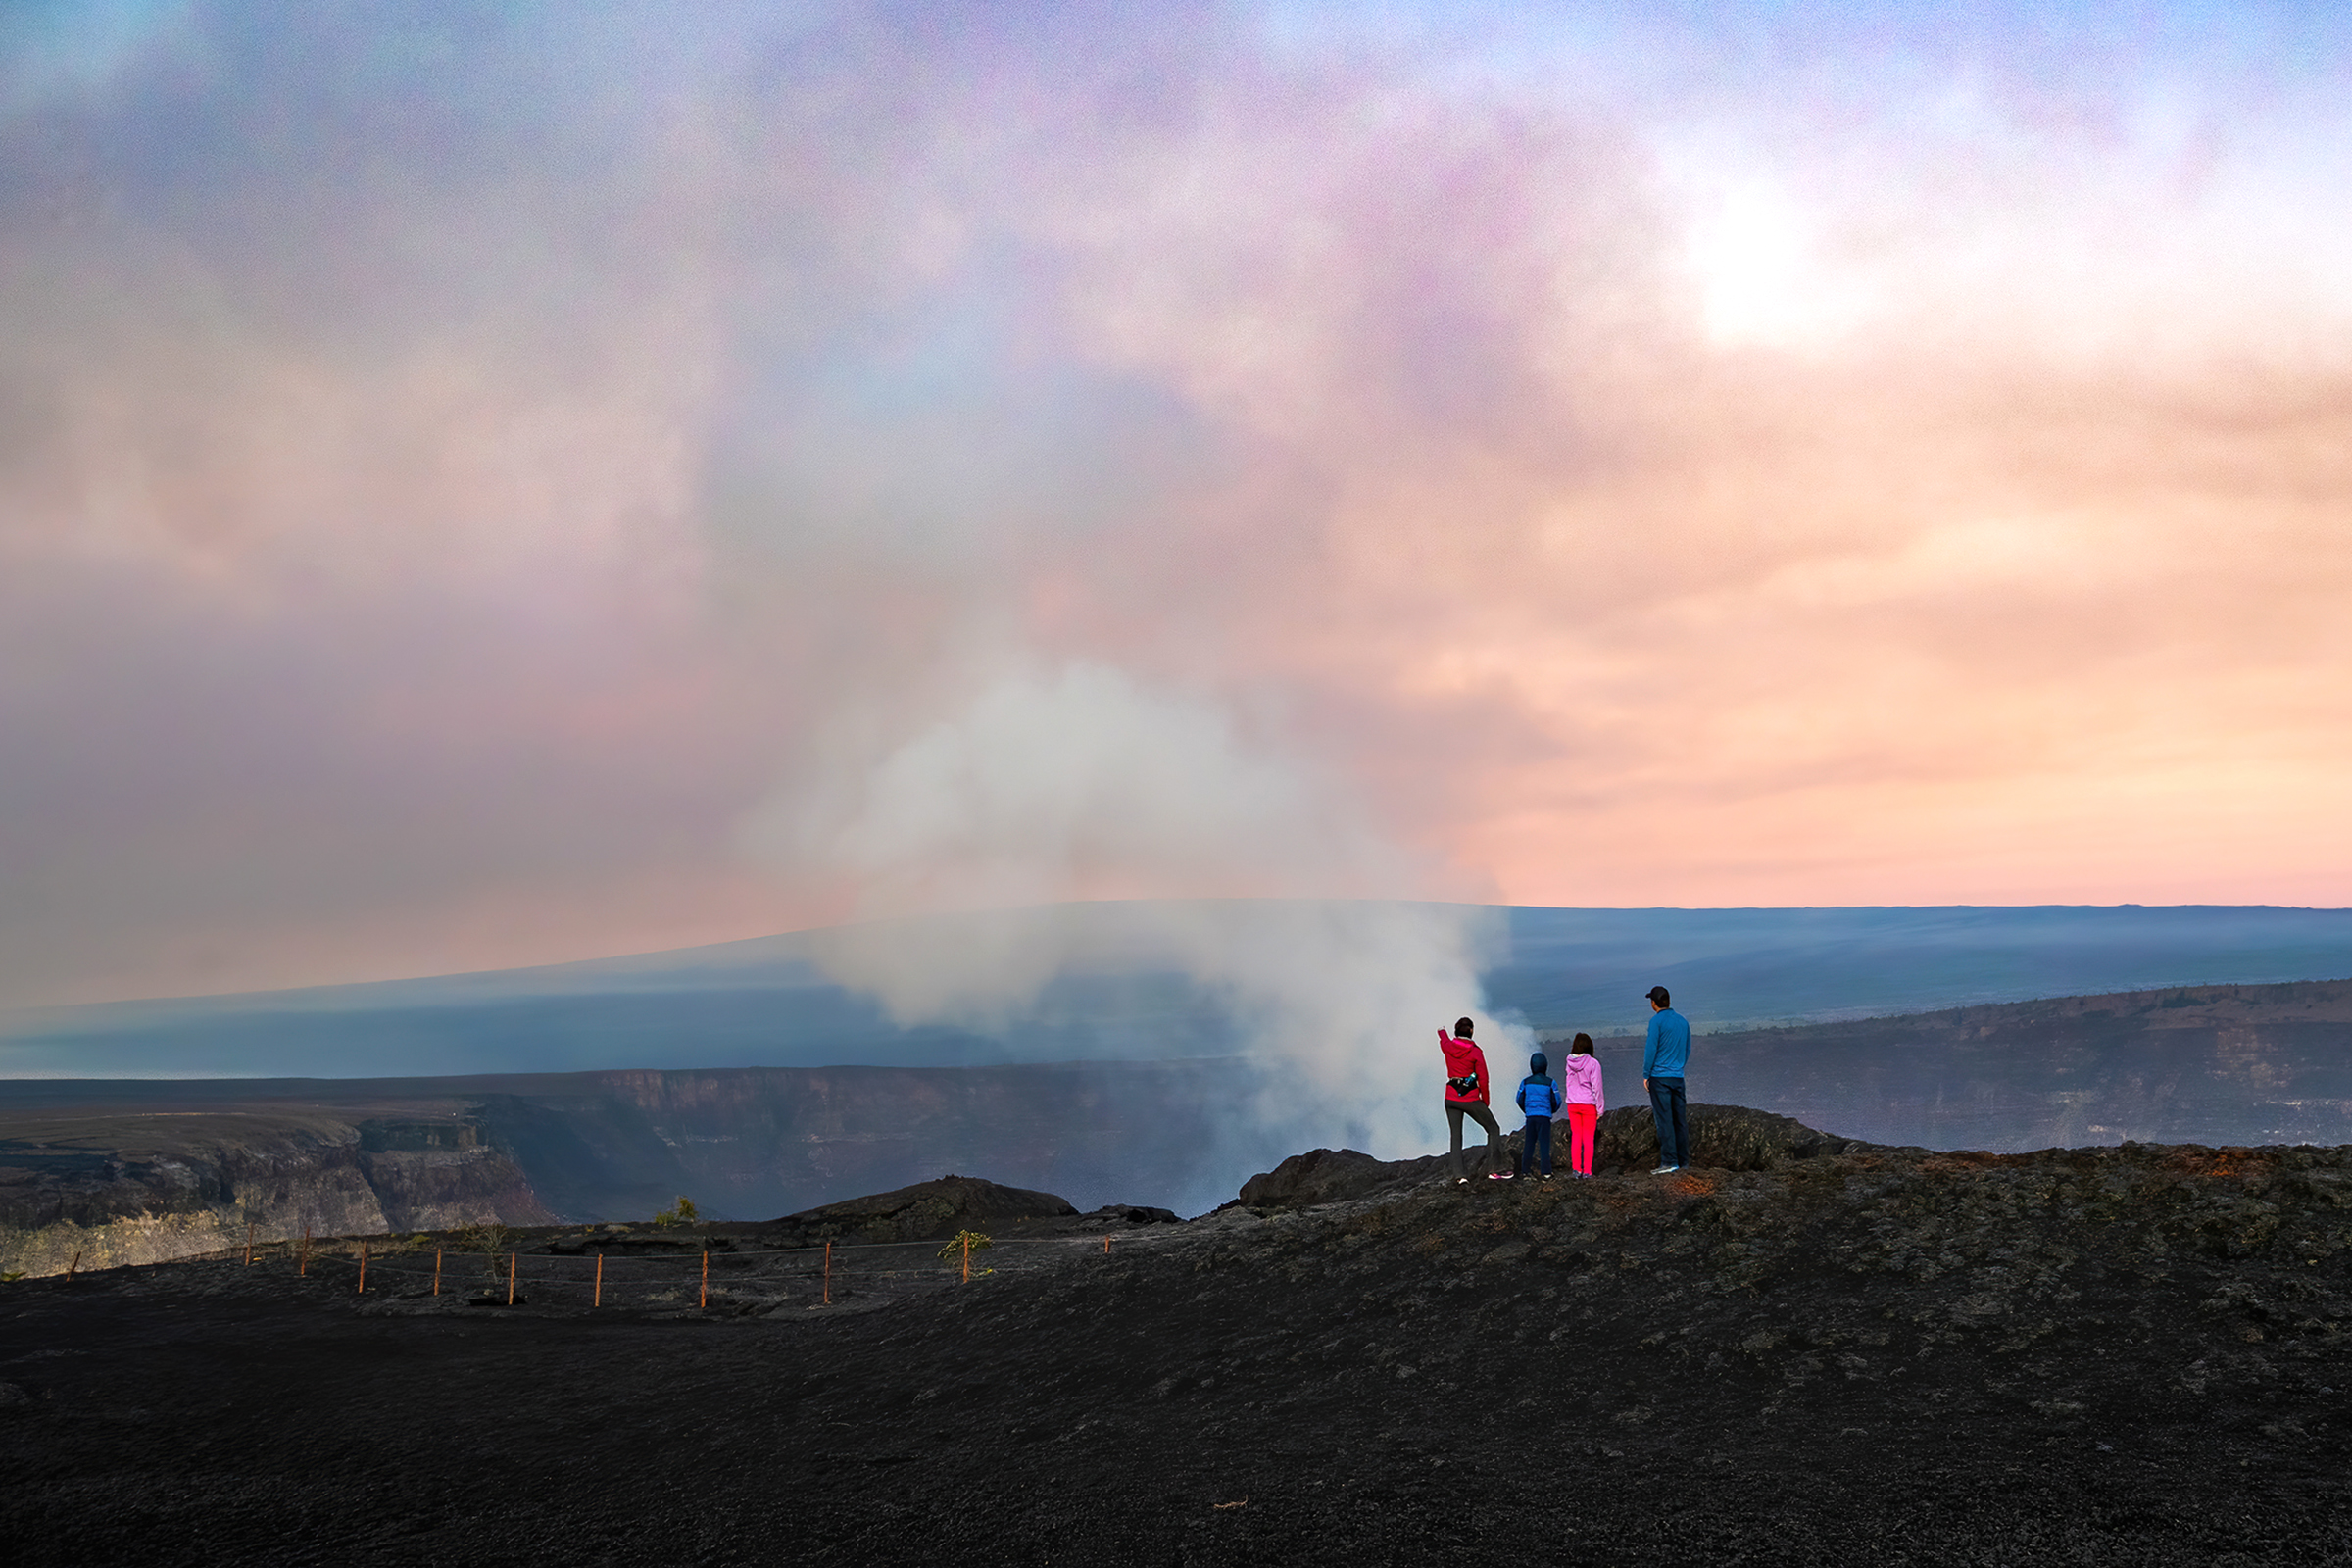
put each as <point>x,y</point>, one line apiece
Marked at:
<point>1331,1175</point>
<point>926,1212</point>
<point>1722,1138</point>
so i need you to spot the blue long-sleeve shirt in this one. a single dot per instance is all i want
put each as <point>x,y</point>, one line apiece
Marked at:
<point>1667,1051</point>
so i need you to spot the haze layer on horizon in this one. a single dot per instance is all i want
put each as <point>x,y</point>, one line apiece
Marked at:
<point>1107,987</point>
<point>492,486</point>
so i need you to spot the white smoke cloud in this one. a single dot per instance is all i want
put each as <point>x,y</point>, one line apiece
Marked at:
<point>1078,782</point>
<point>1084,784</point>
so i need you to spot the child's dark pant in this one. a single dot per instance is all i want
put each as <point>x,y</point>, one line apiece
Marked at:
<point>1535,1144</point>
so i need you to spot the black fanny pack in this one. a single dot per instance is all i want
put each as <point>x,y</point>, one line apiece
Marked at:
<point>1464,1087</point>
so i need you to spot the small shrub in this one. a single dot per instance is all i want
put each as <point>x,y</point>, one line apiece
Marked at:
<point>682,1212</point>
<point>953,1250</point>
<point>490,1239</point>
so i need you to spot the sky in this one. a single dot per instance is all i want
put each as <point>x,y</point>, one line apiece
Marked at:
<point>499,484</point>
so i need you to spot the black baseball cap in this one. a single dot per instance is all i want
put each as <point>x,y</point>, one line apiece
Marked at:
<point>1657,994</point>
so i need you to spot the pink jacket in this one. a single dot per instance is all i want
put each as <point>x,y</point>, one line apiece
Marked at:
<point>1580,1083</point>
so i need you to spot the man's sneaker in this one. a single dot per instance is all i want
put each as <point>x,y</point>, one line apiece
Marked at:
<point>1547,1175</point>
<point>1666,1170</point>
<point>1461,1181</point>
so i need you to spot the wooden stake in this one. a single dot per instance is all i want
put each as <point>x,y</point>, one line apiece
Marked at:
<point>705,1303</point>
<point>363,1268</point>
<point>249,1246</point>
<point>510,1279</point>
<point>828,1273</point>
<point>74,1266</point>
<point>967,1257</point>
<point>306,1251</point>
<point>1106,1243</point>
<point>599,1281</point>
<point>436,1271</point>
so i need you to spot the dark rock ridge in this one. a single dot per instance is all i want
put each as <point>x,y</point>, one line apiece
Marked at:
<point>1722,1138</point>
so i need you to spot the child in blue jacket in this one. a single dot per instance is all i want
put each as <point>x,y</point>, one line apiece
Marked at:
<point>1539,1098</point>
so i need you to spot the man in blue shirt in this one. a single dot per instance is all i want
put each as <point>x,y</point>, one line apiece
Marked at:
<point>1663,1058</point>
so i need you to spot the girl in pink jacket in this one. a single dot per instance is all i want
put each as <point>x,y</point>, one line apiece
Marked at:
<point>1581,1098</point>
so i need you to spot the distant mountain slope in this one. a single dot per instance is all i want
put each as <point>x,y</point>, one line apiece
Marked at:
<point>764,1003</point>
<point>2206,1064</point>
<point>1741,968</point>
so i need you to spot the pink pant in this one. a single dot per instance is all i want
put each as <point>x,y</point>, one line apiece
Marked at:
<point>1582,1119</point>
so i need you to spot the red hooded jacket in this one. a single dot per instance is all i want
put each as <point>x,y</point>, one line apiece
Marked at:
<point>1463,1059</point>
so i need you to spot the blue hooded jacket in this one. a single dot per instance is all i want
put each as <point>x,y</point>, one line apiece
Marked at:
<point>1538,1096</point>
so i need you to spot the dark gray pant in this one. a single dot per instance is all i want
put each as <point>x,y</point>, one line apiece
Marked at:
<point>1455,1110</point>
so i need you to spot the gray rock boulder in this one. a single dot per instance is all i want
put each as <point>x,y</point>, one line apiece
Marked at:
<point>926,1212</point>
<point>1722,1138</point>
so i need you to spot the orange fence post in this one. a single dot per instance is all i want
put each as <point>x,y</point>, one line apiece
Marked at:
<point>704,1303</point>
<point>828,1273</point>
<point>510,1279</point>
<point>599,1281</point>
<point>1107,1245</point>
<point>967,1257</point>
<point>249,1246</point>
<point>363,1268</point>
<point>436,1271</point>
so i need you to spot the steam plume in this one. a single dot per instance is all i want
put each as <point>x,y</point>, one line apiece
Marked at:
<point>1083,783</point>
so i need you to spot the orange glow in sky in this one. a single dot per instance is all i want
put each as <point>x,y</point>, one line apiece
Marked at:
<point>477,494</point>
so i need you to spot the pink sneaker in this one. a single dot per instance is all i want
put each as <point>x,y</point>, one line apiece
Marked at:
<point>1498,1175</point>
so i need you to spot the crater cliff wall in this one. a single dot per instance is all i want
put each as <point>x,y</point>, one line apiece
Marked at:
<point>140,1189</point>
<point>116,1173</point>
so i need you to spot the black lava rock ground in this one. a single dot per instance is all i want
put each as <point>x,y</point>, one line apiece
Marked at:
<point>2113,1356</point>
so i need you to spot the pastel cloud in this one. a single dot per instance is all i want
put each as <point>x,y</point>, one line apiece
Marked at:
<point>455,477</point>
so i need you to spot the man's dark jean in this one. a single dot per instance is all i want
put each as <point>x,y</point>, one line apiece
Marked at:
<point>1674,1128</point>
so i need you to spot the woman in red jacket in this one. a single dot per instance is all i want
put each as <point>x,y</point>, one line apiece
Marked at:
<point>1466,1094</point>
